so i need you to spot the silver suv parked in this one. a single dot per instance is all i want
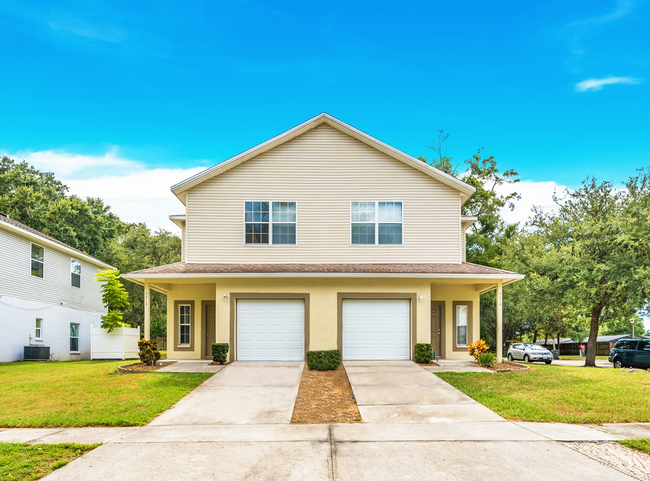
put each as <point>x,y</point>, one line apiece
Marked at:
<point>529,353</point>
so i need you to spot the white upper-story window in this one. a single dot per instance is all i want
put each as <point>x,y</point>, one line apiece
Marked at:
<point>37,260</point>
<point>376,223</point>
<point>270,222</point>
<point>75,273</point>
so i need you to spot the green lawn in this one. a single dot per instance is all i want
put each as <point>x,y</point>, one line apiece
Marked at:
<point>33,461</point>
<point>560,394</point>
<point>642,445</point>
<point>163,354</point>
<point>578,358</point>
<point>86,393</point>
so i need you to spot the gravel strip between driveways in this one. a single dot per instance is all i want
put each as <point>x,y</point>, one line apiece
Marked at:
<point>626,460</point>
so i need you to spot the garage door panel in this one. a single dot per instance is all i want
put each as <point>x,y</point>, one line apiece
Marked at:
<point>376,329</point>
<point>270,330</point>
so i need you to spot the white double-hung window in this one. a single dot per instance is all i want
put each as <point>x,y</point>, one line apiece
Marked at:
<point>74,337</point>
<point>376,223</point>
<point>39,329</point>
<point>461,325</point>
<point>185,324</point>
<point>75,273</point>
<point>270,222</point>
<point>37,260</point>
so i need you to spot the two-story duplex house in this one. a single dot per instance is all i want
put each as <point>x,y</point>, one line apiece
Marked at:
<point>47,294</point>
<point>322,238</point>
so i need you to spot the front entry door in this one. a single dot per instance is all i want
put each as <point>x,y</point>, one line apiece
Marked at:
<point>437,327</point>
<point>209,328</point>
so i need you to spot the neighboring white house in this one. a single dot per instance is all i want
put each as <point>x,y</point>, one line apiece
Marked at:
<point>47,294</point>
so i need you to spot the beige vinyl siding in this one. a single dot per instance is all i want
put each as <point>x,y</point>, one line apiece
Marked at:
<point>183,243</point>
<point>323,170</point>
<point>463,238</point>
<point>55,287</point>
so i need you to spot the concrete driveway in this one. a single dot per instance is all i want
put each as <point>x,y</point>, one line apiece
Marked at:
<point>417,427</point>
<point>240,393</point>
<point>403,392</point>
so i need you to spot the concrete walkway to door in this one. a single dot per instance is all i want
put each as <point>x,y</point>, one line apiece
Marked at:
<point>240,393</point>
<point>403,392</point>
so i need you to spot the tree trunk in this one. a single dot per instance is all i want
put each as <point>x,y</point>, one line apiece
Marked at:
<point>590,360</point>
<point>534,337</point>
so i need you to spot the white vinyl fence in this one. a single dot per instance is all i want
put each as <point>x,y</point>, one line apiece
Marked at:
<point>122,343</point>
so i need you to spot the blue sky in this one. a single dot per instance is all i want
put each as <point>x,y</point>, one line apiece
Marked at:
<point>125,94</point>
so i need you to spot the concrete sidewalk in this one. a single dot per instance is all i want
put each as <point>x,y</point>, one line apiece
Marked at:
<point>459,451</point>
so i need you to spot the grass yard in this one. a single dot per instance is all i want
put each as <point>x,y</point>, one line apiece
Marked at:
<point>86,393</point>
<point>578,358</point>
<point>163,354</point>
<point>560,394</point>
<point>26,462</point>
<point>642,445</point>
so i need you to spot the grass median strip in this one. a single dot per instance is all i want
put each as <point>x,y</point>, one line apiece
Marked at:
<point>27,462</point>
<point>560,394</point>
<point>642,445</point>
<point>86,393</point>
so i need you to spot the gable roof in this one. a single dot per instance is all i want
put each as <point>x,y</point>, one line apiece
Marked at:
<point>181,188</point>
<point>38,237</point>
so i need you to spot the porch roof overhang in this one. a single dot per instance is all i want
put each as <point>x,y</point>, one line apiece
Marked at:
<point>438,273</point>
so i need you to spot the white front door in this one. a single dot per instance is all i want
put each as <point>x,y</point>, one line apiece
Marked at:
<point>270,330</point>
<point>376,329</point>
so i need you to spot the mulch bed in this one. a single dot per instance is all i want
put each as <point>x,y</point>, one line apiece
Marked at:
<point>325,397</point>
<point>140,367</point>
<point>432,363</point>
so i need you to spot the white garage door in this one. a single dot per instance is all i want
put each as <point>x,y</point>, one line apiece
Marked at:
<point>270,330</point>
<point>376,329</point>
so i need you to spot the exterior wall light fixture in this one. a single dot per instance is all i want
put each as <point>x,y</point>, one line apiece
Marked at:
<point>225,298</point>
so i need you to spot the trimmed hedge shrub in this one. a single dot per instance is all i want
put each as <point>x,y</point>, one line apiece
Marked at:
<point>487,359</point>
<point>220,352</point>
<point>423,353</point>
<point>323,360</point>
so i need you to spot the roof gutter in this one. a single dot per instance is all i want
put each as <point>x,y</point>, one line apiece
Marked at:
<point>510,277</point>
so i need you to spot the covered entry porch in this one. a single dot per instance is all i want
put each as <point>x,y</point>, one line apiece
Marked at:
<point>281,317</point>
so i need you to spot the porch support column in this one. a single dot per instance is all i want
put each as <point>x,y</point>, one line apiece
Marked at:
<point>499,321</point>
<point>147,310</point>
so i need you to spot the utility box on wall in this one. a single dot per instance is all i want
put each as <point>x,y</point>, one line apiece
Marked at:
<point>36,353</point>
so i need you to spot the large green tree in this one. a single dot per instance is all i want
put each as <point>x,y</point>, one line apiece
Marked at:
<point>596,255</point>
<point>40,201</point>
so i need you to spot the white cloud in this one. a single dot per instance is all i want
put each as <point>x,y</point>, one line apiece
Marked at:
<point>532,194</point>
<point>598,83</point>
<point>135,192</point>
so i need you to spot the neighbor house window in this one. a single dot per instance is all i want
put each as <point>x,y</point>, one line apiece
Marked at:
<point>461,325</point>
<point>376,223</point>
<point>74,337</point>
<point>75,273</point>
<point>185,323</point>
<point>269,223</point>
<point>39,329</point>
<point>37,260</point>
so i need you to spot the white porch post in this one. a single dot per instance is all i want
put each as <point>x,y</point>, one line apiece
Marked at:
<point>499,321</point>
<point>147,310</point>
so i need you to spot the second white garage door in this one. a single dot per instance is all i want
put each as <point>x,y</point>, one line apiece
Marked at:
<point>376,329</point>
<point>270,330</point>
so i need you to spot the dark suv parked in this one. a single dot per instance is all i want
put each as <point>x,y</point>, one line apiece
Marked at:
<point>632,353</point>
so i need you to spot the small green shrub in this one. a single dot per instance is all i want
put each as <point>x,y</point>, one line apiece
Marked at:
<point>323,360</point>
<point>220,352</point>
<point>423,353</point>
<point>148,352</point>
<point>487,359</point>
